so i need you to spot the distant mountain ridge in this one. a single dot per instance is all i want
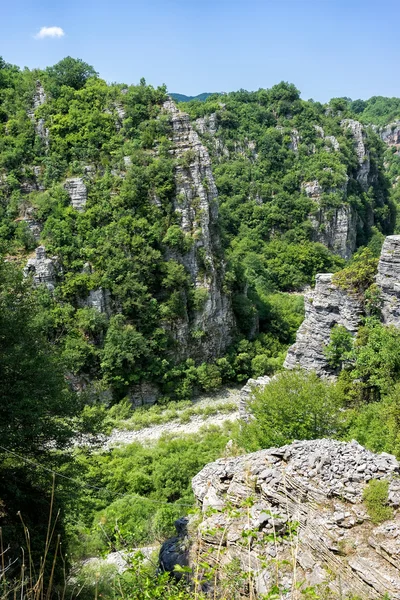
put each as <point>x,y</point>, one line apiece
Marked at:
<point>184,98</point>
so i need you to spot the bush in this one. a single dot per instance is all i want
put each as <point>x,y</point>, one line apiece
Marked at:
<point>376,499</point>
<point>294,406</point>
<point>339,347</point>
<point>360,274</point>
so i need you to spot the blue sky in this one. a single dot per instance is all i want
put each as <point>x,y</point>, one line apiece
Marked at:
<point>326,48</point>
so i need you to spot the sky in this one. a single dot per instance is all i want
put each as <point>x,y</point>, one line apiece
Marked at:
<point>327,48</point>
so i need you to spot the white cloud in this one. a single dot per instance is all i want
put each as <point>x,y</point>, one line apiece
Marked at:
<point>50,32</point>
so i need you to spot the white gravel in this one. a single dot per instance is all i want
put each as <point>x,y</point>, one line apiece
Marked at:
<point>175,427</point>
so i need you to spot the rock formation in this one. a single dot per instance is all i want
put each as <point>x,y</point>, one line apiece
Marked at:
<point>295,517</point>
<point>208,332</point>
<point>363,174</point>
<point>388,280</point>
<point>391,134</point>
<point>98,299</point>
<point>246,394</point>
<point>39,98</point>
<point>325,306</point>
<point>335,227</point>
<point>77,192</point>
<point>338,230</point>
<point>42,269</point>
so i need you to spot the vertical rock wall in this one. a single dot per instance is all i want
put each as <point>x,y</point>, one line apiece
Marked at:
<point>206,333</point>
<point>388,280</point>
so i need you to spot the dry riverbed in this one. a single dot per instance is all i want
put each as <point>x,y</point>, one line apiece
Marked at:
<point>223,406</point>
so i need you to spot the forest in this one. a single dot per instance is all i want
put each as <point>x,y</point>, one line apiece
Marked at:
<point>284,169</point>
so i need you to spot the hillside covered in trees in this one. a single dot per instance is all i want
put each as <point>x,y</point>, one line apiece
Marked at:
<point>152,251</point>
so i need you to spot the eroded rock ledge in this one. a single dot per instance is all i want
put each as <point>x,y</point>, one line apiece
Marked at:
<point>296,514</point>
<point>326,305</point>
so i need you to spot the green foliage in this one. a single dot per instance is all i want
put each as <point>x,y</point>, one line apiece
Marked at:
<point>32,386</point>
<point>339,347</point>
<point>71,72</point>
<point>375,496</point>
<point>360,274</point>
<point>377,359</point>
<point>294,406</point>
<point>144,490</point>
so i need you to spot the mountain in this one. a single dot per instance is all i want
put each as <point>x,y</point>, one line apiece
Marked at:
<point>184,98</point>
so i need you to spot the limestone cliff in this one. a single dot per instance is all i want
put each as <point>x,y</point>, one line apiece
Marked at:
<point>391,134</point>
<point>388,280</point>
<point>39,98</point>
<point>206,332</point>
<point>294,517</point>
<point>364,175</point>
<point>325,306</point>
<point>42,269</point>
<point>77,192</point>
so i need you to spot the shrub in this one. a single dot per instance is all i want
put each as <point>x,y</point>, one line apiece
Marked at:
<point>360,274</point>
<point>339,347</point>
<point>294,406</point>
<point>376,499</point>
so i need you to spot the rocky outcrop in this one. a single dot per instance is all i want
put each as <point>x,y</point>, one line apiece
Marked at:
<point>144,394</point>
<point>99,299</point>
<point>247,394</point>
<point>34,226</point>
<point>359,137</point>
<point>333,226</point>
<point>39,98</point>
<point>332,142</point>
<point>325,306</point>
<point>207,124</point>
<point>388,280</point>
<point>77,192</point>
<point>42,269</point>
<point>391,134</point>
<point>336,228</point>
<point>206,333</point>
<point>294,517</point>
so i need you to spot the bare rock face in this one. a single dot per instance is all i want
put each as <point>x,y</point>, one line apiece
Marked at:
<point>144,394</point>
<point>39,98</point>
<point>391,134</point>
<point>364,162</point>
<point>208,332</point>
<point>99,299</point>
<point>42,269</point>
<point>77,192</point>
<point>247,394</point>
<point>332,143</point>
<point>325,306</point>
<point>295,516</point>
<point>34,226</point>
<point>207,124</point>
<point>336,229</point>
<point>388,279</point>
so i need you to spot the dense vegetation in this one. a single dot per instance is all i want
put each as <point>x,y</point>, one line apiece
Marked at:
<point>266,147</point>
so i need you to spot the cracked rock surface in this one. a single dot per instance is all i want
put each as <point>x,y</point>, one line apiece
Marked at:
<point>301,505</point>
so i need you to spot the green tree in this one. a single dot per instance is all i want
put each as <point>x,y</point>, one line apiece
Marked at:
<point>296,405</point>
<point>72,72</point>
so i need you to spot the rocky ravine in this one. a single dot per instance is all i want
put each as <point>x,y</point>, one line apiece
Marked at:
<point>296,514</point>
